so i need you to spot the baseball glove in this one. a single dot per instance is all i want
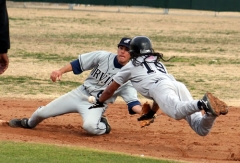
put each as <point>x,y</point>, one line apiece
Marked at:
<point>148,114</point>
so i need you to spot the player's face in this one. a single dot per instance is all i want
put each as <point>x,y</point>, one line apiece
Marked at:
<point>123,55</point>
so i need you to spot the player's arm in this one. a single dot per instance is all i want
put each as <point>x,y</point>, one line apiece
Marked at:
<point>57,74</point>
<point>137,109</point>
<point>109,91</point>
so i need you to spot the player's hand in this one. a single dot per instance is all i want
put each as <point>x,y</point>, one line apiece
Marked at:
<point>145,117</point>
<point>56,75</point>
<point>147,112</point>
<point>98,104</point>
<point>4,61</point>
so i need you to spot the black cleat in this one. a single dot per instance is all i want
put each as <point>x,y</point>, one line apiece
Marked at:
<point>105,121</point>
<point>211,104</point>
<point>23,123</point>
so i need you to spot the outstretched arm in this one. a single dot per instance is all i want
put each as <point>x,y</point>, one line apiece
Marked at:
<point>137,109</point>
<point>57,74</point>
<point>109,91</point>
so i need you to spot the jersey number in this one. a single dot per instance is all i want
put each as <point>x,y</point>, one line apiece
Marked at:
<point>158,65</point>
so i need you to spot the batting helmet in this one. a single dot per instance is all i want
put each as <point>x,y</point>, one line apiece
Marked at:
<point>140,45</point>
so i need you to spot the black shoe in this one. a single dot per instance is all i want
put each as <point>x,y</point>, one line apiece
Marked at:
<point>208,104</point>
<point>23,123</point>
<point>105,121</point>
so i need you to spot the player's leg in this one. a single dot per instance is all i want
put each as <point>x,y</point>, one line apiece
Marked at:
<point>62,105</point>
<point>67,103</point>
<point>167,95</point>
<point>93,122</point>
<point>74,101</point>
<point>201,124</point>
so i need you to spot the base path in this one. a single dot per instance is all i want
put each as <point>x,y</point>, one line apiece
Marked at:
<point>165,138</point>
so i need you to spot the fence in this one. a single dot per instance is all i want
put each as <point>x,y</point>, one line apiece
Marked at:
<point>210,5</point>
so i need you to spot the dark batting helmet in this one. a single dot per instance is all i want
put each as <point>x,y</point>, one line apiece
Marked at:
<point>140,45</point>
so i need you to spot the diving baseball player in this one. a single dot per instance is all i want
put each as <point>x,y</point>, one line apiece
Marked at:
<point>150,78</point>
<point>103,65</point>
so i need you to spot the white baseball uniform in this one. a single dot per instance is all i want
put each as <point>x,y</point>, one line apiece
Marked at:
<point>174,99</point>
<point>104,66</point>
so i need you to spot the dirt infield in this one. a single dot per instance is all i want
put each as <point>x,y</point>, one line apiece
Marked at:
<point>166,138</point>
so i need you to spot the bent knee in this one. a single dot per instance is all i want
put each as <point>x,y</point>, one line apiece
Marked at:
<point>89,127</point>
<point>176,116</point>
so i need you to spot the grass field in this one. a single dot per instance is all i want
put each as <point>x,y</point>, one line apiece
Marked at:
<point>42,153</point>
<point>206,49</point>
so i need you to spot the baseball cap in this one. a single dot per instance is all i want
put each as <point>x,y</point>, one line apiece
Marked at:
<point>125,41</point>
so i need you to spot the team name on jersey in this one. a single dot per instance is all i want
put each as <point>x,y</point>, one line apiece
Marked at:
<point>104,78</point>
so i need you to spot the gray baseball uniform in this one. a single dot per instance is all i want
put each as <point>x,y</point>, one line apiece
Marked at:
<point>153,81</point>
<point>104,66</point>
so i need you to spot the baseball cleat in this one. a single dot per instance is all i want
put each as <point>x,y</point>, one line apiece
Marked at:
<point>105,121</point>
<point>212,105</point>
<point>15,123</point>
<point>23,123</point>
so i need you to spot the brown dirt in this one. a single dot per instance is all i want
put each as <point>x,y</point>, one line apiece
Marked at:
<point>165,138</point>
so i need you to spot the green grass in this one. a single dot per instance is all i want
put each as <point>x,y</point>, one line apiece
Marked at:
<point>41,41</point>
<point>12,152</point>
<point>47,57</point>
<point>206,49</point>
<point>27,85</point>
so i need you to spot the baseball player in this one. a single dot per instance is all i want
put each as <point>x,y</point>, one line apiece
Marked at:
<point>4,37</point>
<point>150,78</point>
<point>103,65</point>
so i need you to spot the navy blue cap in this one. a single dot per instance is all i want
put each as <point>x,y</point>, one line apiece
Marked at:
<point>125,42</point>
